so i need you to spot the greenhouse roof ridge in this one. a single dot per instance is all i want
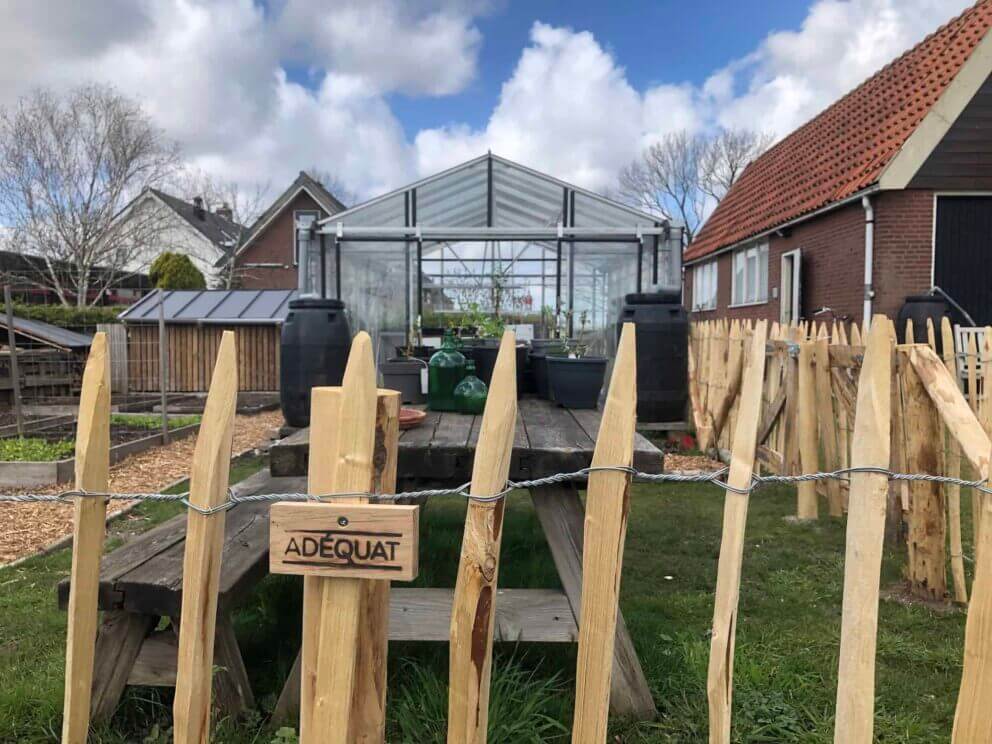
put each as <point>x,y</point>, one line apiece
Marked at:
<point>647,217</point>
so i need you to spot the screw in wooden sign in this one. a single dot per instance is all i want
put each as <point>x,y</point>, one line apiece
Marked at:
<point>367,541</point>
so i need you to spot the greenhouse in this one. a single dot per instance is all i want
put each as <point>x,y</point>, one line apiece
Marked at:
<point>489,238</point>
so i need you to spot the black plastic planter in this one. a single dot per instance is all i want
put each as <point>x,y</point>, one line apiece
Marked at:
<point>403,375</point>
<point>485,362</point>
<point>575,383</point>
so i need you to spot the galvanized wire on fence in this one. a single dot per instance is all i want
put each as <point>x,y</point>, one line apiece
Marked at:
<point>716,478</point>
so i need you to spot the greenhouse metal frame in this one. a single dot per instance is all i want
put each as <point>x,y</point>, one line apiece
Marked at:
<point>492,233</point>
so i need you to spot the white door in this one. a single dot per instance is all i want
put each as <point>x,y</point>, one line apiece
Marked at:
<point>791,283</point>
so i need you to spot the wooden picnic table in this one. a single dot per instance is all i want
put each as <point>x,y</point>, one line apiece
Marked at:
<point>141,582</point>
<point>548,439</point>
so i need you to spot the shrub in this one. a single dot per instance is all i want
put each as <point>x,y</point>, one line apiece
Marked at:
<point>175,271</point>
<point>75,318</point>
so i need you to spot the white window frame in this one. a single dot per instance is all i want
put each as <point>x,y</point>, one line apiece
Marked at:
<point>790,272</point>
<point>705,282</point>
<point>297,213</point>
<point>750,288</point>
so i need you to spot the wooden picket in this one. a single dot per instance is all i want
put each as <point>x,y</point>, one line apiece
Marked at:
<point>88,529</point>
<point>202,558</point>
<point>472,612</point>
<point>607,504</point>
<point>865,536</point>
<point>719,685</point>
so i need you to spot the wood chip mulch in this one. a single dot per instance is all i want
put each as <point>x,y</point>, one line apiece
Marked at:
<point>683,463</point>
<point>27,528</point>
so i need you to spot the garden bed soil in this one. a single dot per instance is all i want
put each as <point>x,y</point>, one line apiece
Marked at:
<point>29,528</point>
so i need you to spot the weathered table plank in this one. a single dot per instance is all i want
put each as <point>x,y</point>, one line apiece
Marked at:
<point>548,439</point>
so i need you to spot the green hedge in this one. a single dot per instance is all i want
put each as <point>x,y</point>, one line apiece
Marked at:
<point>74,318</point>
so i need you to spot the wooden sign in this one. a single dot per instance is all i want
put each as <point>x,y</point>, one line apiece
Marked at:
<point>358,541</point>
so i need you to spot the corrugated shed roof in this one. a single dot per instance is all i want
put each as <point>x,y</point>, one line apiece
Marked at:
<point>845,149</point>
<point>46,333</point>
<point>214,306</point>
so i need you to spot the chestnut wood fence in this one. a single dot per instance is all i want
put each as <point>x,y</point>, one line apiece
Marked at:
<point>343,691</point>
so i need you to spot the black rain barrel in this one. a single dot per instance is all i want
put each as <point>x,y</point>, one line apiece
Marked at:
<point>919,308</point>
<point>314,350</point>
<point>662,334</point>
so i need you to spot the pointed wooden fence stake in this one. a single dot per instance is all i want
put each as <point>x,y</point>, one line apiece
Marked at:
<point>972,722</point>
<point>865,536</point>
<point>809,456</point>
<point>204,545</point>
<point>338,638</point>
<point>471,652</point>
<point>92,474</point>
<point>607,504</point>
<point>952,468</point>
<point>719,684</point>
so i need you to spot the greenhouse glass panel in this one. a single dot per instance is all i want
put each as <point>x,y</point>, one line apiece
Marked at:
<point>456,199</point>
<point>602,275</point>
<point>524,199</point>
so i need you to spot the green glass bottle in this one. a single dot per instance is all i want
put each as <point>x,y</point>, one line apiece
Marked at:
<point>471,392</point>
<point>444,371</point>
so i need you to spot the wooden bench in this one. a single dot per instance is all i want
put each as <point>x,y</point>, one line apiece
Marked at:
<point>141,584</point>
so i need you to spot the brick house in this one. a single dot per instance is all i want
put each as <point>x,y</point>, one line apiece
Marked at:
<point>898,170</point>
<point>268,256</point>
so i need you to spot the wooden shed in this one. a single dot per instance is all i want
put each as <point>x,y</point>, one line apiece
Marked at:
<point>194,321</point>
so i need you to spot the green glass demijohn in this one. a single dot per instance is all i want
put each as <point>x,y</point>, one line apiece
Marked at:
<point>444,371</point>
<point>471,392</point>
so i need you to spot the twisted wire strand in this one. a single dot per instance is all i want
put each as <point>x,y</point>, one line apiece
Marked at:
<point>717,478</point>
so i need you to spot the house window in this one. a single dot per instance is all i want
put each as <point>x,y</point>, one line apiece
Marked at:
<point>302,221</point>
<point>704,286</point>
<point>750,277</point>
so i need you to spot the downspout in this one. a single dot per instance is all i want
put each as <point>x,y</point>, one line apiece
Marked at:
<point>869,257</point>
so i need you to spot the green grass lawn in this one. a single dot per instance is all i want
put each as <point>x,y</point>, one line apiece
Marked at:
<point>787,638</point>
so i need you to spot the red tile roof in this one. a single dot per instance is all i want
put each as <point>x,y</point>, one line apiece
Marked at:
<point>845,148</point>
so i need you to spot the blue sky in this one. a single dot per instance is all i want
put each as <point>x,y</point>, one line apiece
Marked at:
<point>641,35</point>
<point>377,93</point>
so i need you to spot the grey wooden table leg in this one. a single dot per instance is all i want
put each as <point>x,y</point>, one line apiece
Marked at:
<point>562,518</point>
<point>117,645</point>
<point>232,692</point>
<point>287,708</point>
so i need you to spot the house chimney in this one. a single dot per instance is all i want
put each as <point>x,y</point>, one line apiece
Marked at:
<point>198,207</point>
<point>225,212</point>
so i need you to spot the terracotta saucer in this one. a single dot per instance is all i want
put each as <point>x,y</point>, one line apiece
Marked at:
<point>411,417</point>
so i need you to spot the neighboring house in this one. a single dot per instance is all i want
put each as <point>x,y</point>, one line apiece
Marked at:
<point>899,169</point>
<point>268,257</point>
<point>169,224</point>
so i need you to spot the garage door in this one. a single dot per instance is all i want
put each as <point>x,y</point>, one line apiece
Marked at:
<point>963,254</point>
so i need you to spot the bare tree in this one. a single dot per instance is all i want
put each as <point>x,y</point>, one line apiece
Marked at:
<point>334,184</point>
<point>68,164</point>
<point>725,157</point>
<point>245,201</point>
<point>683,176</point>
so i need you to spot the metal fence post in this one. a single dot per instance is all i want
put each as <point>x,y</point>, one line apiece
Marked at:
<point>15,378</point>
<point>163,366</point>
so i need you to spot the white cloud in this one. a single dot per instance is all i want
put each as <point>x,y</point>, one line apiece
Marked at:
<point>393,45</point>
<point>213,74</point>
<point>793,75</point>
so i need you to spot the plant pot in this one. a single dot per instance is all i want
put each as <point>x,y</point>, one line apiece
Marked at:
<point>539,367</point>
<point>403,375</point>
<point>576,383</point>
<point>485,362</point>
